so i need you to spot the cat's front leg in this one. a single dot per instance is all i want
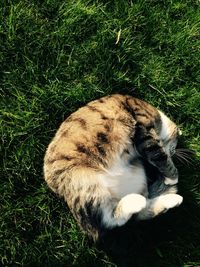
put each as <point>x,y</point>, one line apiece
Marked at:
<point>150,147</point>
<point>166,167</point>
<point>172,171</point>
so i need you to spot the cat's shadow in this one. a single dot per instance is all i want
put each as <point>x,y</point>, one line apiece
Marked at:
<point>136,243</point>
<point>162,241</point>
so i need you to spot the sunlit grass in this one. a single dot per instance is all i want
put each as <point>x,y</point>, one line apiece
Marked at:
<point>55,57</point>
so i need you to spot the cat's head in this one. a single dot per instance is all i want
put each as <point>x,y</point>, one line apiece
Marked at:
<point>169,134</point>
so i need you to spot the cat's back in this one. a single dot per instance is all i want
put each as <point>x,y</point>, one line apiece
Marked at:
<point>90,132</point>
<point>96,135</point>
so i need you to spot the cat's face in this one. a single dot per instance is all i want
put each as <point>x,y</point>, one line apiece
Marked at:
<point>169,134</point>
<point>171,143</point>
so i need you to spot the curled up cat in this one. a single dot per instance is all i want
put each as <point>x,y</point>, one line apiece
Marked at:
<point>96,163</point>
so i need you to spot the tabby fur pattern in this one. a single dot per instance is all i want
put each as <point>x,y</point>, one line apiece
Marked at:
<point>96,162</point>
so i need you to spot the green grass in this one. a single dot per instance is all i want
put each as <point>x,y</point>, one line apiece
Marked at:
<point>56,56</point>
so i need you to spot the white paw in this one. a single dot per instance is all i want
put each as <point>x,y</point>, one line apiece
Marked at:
<point>170,181</point>
<point>170,200</point>
<point>133,203</point>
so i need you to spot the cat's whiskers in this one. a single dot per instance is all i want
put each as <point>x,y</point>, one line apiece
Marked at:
<point>182,159</point>
<point>185,155</point>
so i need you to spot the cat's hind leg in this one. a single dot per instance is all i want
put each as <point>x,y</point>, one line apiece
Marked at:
<point>124,209</point>
<point>159,205</point>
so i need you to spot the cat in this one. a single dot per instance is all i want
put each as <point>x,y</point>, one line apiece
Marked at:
<point>96,163</point>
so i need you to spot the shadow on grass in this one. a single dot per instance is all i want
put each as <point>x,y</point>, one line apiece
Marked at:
<point>160,242</point>
<point>169,240</point>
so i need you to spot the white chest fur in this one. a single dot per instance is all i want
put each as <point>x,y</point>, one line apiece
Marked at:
<point>124,178</point>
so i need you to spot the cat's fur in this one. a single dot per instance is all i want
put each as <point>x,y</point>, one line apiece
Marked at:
<point>96,162</point>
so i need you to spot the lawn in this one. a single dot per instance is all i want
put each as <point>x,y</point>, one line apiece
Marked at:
<point>57,55</point>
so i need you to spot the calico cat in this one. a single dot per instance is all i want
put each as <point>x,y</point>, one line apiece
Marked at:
<point>96,162</point>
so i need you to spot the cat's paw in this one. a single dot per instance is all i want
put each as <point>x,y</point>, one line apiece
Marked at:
<point>165,202</point>
<point>170,200</point>
<point>170,181</point>
<point>133,203</point>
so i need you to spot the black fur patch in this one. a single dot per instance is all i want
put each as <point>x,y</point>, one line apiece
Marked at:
<point>82,122</point>
<point>102,137</point>
<point>60,157</point>
<point>160,157</point>
<point>91,217</point>
<point>94,109</point>
<point>145,138</point>
<point>126,122</point>
<point>101,100</point>
<point>108,127</point>
<point>150,126</point>
<point>65,157</point>
<point>93,212</point>
<point>64,133</point>
<point>126,151</point>
<point>82,149</point>
<point>142,114</point>
<point>58,172</point>
<point>151,147</point>
<point>100,149</point>
<point>104,117</point>
<point>128,108</point>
